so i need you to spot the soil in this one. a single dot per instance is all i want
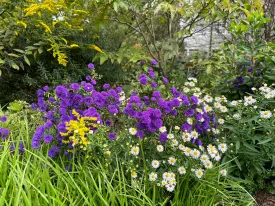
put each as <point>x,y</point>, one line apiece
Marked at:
<point>264,198</point>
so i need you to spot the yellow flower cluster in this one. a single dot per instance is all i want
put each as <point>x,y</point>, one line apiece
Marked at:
<point>77,130</point>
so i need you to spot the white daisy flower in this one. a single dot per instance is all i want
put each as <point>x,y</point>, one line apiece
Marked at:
<point>189,120</point>
<point>181,147</point>
<point>207,108</point>
<point>222,147</point>
<point>195,153</point>
<point>186,137</point>
<point>204,158</point>
<point>182,170</point>
<point>217,105</point>
<point>265,114</point>
<point>234,103</point>
<point>265,89</point>
<point>160,148</point>
<point>186,89</point>
<point>199,111</point>
<point>134,174</point>
<point>249,100</point>
<point>187,151</point>
<point>221,121</point>
<point>133,131</point>
<point>237,116</point>
<point>223,172</point>
<point>223,109</point>
<point>155,164</point>
<point>175,143</point>
<point>166,176</point>
<point>208,98</point>
<point>135,150</point>
<point>170,187</point>
<point>215,131</point>
<point>163,129</point>
<point>208,164</point>
<point>199,173</point>
<point>194,134</point>
<point>172,160</point>
<point>153,176</point>
<point>192,84</point>
<point>170,136</point>
<point>217,157</point>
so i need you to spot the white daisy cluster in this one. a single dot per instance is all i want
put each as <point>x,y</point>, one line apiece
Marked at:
<point>169,180</point>
<point>237,116</point>
<point>267,91</point>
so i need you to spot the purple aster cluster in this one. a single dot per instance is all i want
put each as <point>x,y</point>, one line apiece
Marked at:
<point>148,112</point>
<point>4,132</point>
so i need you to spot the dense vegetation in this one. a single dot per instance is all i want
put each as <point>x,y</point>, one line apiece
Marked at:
<point>102,105</point>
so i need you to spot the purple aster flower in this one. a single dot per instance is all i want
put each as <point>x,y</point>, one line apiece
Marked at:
<point>61,92</point>
<point>165,80</point>
<point>91,66</point>
<point>48,125</point>
<point>163,137</point>
<point>140,134</point>
<point>250,69</point>
<point>48,138</point>
<point>194,99</point>
<point>3,119</point>
<point>143,80</point>
<point>35,144</point>
<point>21,147</point>
<point>186,127</point>
<point>199,142</point>
<point>108,122</point>
<point>142,63</point>
<point>93,82</point>
<point>156,94</point>
<point>106,86</point>
<point>51,99</point>
<point>154,84</point>
<point>88,101</point>
<point>40,93</point>
<point>119,90</point>
<point>112,136</point>
<point>154,62</point>
<point>75,86</point>
<point>88,87</point>
<point>189,112</point>
<point>33,106</point>
<point>88,78</point>
<point>151,74</point>
<point>46,88</point>
<point>112,109</point>
<point>53,151</point>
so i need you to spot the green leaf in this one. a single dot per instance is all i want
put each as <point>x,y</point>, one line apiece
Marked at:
<point>40,50</point>
<point>27,60</point>
<point>20,51</point>
<point>14,55</point>
<point>15,66</point>
<point>103,58</point>
<point>238,146</point>
<point>238,163</point>
<point>2,61</point>
<point>115,6</point>
<point>265,141</point>
<point>250,147</point>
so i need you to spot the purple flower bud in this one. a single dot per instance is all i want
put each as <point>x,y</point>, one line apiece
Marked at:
<point>154,62</point>
<point>106,86</point>
<point>91,66</point>
<point>112,136</point>
<point>165,80</point>
<point>3,119</point>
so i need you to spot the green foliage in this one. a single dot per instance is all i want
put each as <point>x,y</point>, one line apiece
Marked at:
<point>246,61</point>
<point>252,135</point>
<point>33,179</point>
